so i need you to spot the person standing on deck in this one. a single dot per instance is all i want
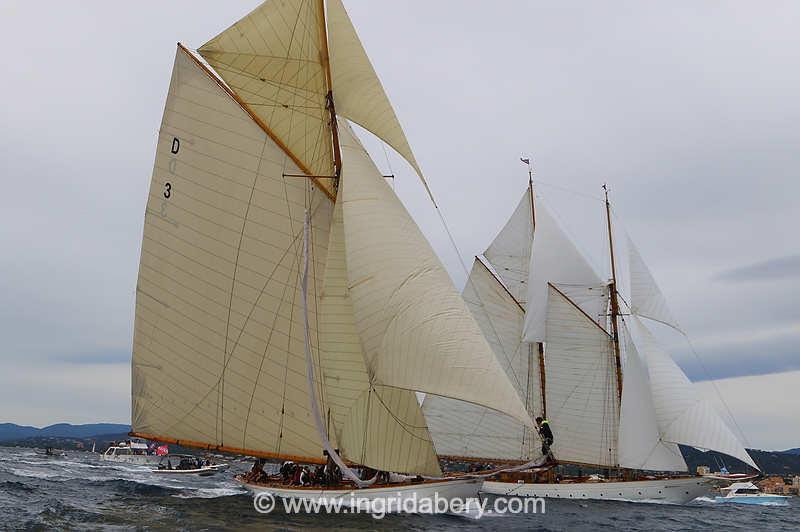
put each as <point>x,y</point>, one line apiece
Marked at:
<point>543,426</point>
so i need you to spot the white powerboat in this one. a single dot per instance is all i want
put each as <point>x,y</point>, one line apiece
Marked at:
<point>748,493</point>
<point>131,452</point>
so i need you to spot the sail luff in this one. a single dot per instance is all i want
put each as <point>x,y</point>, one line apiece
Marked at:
<point>257,119</point>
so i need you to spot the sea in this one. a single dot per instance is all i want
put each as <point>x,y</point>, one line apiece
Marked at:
<point>80,492</point>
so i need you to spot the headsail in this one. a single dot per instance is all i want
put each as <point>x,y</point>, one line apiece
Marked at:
<point>379,427</point>
<point>358,91</point>
<point>468,430</point>
<point>220,265</point>
<point>640,440</point>
<point>274,60</point>
<point>682,415</point>
<point>416,331</point>
<point>555,259</point>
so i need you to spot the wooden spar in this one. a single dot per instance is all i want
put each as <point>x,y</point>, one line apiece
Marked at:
<point>614,301</point>
<point>326,62</point>
<point>233,450</point>
<point>571,302</point>
<point>246,108</point>
<point>540,345</point>
<point>501,283</point>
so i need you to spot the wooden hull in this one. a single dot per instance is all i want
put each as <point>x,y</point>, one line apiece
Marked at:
<point>670,490</point>
<point>448,489</point>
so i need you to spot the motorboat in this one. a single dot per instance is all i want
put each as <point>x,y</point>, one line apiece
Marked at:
<point>185,464</point>
<point>748,493</point>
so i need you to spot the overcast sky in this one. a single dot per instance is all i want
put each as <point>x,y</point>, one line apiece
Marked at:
<point>689,110</point>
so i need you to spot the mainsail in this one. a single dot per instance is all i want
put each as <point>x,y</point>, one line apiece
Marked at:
<point>243,237</point>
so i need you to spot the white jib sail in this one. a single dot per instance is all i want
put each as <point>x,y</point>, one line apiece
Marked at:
<point>555,259</point>
<point>581,385</point>
<point>683,415</point>
<point>640,440</point>
<point>416,331</point>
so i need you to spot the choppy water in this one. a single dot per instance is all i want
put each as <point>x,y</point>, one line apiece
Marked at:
<point>81,492</point>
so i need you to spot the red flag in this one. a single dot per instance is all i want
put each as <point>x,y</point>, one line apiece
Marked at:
<point>163,450</point>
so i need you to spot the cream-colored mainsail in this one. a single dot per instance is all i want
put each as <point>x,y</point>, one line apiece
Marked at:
<point>218,355</point>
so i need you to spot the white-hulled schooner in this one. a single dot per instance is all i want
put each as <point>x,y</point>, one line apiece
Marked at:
<point>287,304</point>
<point>615,401</point>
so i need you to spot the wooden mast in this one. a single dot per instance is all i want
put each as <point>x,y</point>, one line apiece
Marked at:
<point>326,62</point>
<point>539,345</point>
<point>614,302</point>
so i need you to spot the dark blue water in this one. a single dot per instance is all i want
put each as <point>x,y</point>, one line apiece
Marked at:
<point>80,492</point>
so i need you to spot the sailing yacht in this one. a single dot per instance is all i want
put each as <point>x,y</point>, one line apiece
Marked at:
<point>287,305</point>
<point>615,400</point>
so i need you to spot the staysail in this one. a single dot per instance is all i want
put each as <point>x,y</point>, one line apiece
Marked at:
<point>218,341</point>
<point>416,331</point>
<point>461,429</point>
<point>640,439</point>
<point>377,426</point>
<point>556,259</point>
<point>682,415</point>
<point>510,251</point>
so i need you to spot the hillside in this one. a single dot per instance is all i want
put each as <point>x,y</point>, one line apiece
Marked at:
<point>14,432</point>
<point>771,462</point>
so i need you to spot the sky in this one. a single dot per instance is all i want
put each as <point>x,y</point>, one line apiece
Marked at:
<point>688,110</point>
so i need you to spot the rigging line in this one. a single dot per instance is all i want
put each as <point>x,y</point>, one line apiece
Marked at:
<point>569,190</point>
<point>264,357</point>
<point>221,390</point>
<point>716,389</point>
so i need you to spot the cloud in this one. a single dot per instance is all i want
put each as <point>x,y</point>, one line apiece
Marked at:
<point>768,270</point>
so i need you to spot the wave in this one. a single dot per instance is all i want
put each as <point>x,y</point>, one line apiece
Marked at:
<point>210,493</point>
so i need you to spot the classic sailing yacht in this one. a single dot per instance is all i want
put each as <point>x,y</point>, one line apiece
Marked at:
<point>287,304</point>
<point>614,399</point>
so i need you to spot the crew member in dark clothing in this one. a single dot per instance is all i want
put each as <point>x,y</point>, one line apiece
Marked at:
<point>543,426</point>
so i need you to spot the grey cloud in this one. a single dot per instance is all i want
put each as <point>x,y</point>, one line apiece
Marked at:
<point>768,270</point>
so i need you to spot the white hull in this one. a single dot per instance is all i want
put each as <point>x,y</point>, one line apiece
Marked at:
<point>673,490</point>
<point>462,489</point>
<point>136,459</point>
<point>202,471</point>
